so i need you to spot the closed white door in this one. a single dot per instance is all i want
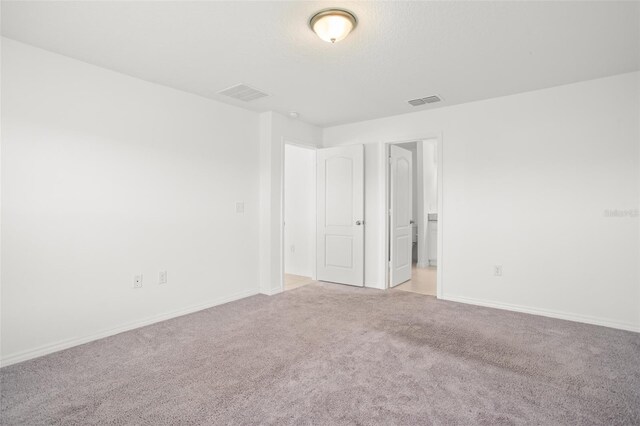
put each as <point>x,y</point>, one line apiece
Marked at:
<point>401,215</point>
<point>340,204</point>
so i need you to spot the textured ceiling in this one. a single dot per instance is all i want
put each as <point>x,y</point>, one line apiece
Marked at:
<point>463,51</point>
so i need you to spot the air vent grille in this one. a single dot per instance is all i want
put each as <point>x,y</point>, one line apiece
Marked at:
<point>432,99</point>
<point>243,92</point>
<point>428,100</point>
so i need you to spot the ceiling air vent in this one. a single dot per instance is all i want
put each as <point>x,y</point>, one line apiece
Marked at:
<point>432,99</point>
<point>243,93</point>
<point>417,102</point>
<point>428,100</point>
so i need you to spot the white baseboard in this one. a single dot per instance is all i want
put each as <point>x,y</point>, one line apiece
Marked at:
<point>545,313</point>
<point>68,343</point>
<point>270,291</point>
<point>375,286</point>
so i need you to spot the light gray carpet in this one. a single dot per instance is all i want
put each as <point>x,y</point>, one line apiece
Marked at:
<point>330,354</point>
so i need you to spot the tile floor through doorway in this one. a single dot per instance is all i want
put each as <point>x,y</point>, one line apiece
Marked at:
<point>423,281</point>
<point>292,281</point>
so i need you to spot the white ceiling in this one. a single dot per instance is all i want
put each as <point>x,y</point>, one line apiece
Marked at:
<point>463,51</point>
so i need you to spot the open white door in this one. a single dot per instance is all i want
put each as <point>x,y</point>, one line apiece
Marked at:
<point>340,204</point>
<point>400,215</point>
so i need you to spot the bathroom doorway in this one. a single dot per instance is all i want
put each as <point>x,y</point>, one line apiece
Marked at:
<point>412,188</point>
<point>299,197</point>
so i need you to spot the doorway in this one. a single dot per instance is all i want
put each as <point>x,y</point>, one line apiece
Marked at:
<point>412,220</point>
<point>299,198</point>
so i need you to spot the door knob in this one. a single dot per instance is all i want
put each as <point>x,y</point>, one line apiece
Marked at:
<point>359,222</point>
<point>411,222</point>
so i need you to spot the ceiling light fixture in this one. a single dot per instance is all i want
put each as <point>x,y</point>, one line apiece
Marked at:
<point>333,25</point>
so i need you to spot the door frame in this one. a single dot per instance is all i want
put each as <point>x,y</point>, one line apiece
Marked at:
<point>384,206</point>
<point>282,207</point>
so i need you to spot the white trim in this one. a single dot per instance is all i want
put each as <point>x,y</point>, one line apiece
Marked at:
<point>272,292</point>
<point>421,241</point>
<point>68,343</point>
<point>383,278</point>
<point>544,312</point>
<point>439,243</point>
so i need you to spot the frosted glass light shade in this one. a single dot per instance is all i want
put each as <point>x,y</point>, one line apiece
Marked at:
<point>333,25</point>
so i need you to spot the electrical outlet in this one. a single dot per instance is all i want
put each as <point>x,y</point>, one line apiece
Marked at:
<point>240,207</point>
<point>292,248</point>
<point>497,270</point>
<point>162,277</point>
<point>137,281</point>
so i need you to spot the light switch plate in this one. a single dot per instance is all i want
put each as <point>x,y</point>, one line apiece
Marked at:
<point>497,270</point>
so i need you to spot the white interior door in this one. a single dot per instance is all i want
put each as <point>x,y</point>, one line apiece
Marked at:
<point>340,204</point>
<point>401,212</point>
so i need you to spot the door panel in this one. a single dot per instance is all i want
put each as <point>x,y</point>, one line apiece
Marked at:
<point>340,189</point>
<point>339,251</point>
<point>401,214</point>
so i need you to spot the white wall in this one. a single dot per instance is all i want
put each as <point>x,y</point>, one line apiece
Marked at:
<point>429,157</point>
<point>527,180</point>
<point>275,131</point>
<point>428,194</point>
<point>430,176</point>
<point>105,176</point>
<point>374,237</point>
<point>299,210</point>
